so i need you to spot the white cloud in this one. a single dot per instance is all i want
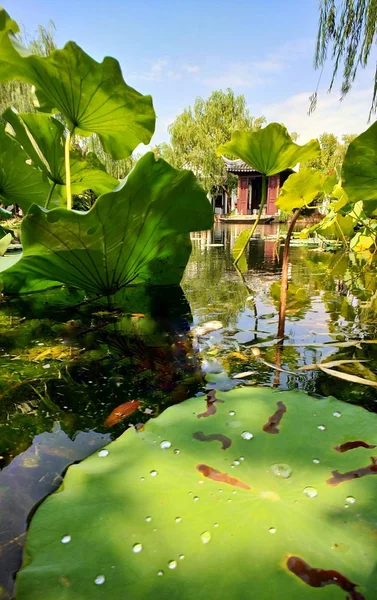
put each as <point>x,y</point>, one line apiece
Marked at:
<point>191,68</point>
<point>154,73</point>
<point>332,116</point>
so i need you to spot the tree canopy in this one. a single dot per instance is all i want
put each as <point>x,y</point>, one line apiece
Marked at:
<point>348,30</point>
<point>332,153</point>
<point>17,93</point>
<point>196,134</point>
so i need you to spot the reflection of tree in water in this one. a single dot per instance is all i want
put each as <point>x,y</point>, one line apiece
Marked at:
<point>212,285</point>
<point>349,291</point>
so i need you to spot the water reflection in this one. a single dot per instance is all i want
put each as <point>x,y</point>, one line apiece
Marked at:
<point>66,365</point>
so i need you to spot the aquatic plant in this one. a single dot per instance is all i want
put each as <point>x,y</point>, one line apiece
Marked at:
<point>137,232</point>
<point>250,492</point>
<point>270,151</point>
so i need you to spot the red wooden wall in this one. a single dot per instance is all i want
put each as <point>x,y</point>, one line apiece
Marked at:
<point>272,194</point>
<point>242,195</point>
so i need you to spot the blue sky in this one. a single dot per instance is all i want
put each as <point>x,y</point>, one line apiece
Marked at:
<point>178,50</point>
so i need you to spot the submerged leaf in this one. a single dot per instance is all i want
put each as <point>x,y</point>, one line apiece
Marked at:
<point>169,511</point>
<point>93,97</point>
<point>137,234</point>
<point>269,150</point>
<point>347,376</point>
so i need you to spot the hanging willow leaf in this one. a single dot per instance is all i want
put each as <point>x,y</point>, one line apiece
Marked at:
<point>93,97</point>
<point>269,150</point>
<point>347,376</point>
<point>137,234</point>
<point>20,183</point>
<point>300,189</point>
<point>42,137</point>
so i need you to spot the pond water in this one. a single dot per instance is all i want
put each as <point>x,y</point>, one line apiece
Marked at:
<point>66,364</point>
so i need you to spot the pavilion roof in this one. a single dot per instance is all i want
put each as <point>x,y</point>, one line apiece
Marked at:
<point>237,166</point>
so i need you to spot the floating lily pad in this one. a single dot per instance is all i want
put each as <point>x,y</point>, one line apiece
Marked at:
<point>250,493</point>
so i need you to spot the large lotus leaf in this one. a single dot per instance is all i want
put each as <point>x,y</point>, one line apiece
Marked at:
<point>359,176</point>
<point>20,183</point>
<point>252,493</point>
<point>92,96</point>
<point>137,234</point>
<point>42,137</point>
<point>300,189</point>
<point>269,150</point>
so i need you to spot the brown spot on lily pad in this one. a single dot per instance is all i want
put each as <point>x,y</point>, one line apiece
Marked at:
<point>215,475</point>
<point>338,478</point>
<point>211,408</point>
<point>218,437</point>
<point>322,577</point>
<point>272,424</point>
<point>351,445</point>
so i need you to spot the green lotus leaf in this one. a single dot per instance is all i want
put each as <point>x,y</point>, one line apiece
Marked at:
<point>300,189</point>
<point>138,234</point>
<point>20,183</point>
<point>335,226</point>
<point>42,137</point>
<point>239,246</point>
<point>93,97</point>
<point>359,176</point>
<point>269,150</point>
<point>5,242</point>
<point>250,493</point>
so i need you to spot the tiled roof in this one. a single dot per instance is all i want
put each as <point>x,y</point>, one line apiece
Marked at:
<point>237,166</point>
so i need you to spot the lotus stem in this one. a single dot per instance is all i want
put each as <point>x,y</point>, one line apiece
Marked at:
<point>256,222</point>
<point>67,149</point>
<point>50,194</point>
<point>284,276</point>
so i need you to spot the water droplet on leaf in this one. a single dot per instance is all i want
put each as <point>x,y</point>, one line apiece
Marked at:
<point>176,451</point>
<point>172,564</point>
<point>232,413</point>
<point>196,498</point>
<point>247,435</point>
<point>336,413</point>
<point>148,519</point>
<point>205,537</point>
<point>103,453</point>
<point>66,539</point>
<point>350,500</point>
<point>165,444</point>
<point>178,519</point>
<point>281,470</point>
<point>153,473</point>
<point>160,573</point>
<point>316,461</point>
<point>181,556</point>
<point>137,548</point>
<point>272,530</point>
<point>310,492</point>
<point>99,580</point>
<point>321,427</point>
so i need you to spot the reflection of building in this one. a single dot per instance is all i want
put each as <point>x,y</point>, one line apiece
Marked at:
<point>247,198</point>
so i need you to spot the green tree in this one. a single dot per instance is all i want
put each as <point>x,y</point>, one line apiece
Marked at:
<point>17,93</point>
<point>332,153</point>
<point>347,29</point>
<point>196,134</point>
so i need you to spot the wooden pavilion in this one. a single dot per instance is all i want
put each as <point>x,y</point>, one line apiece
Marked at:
<point>246,201</point>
